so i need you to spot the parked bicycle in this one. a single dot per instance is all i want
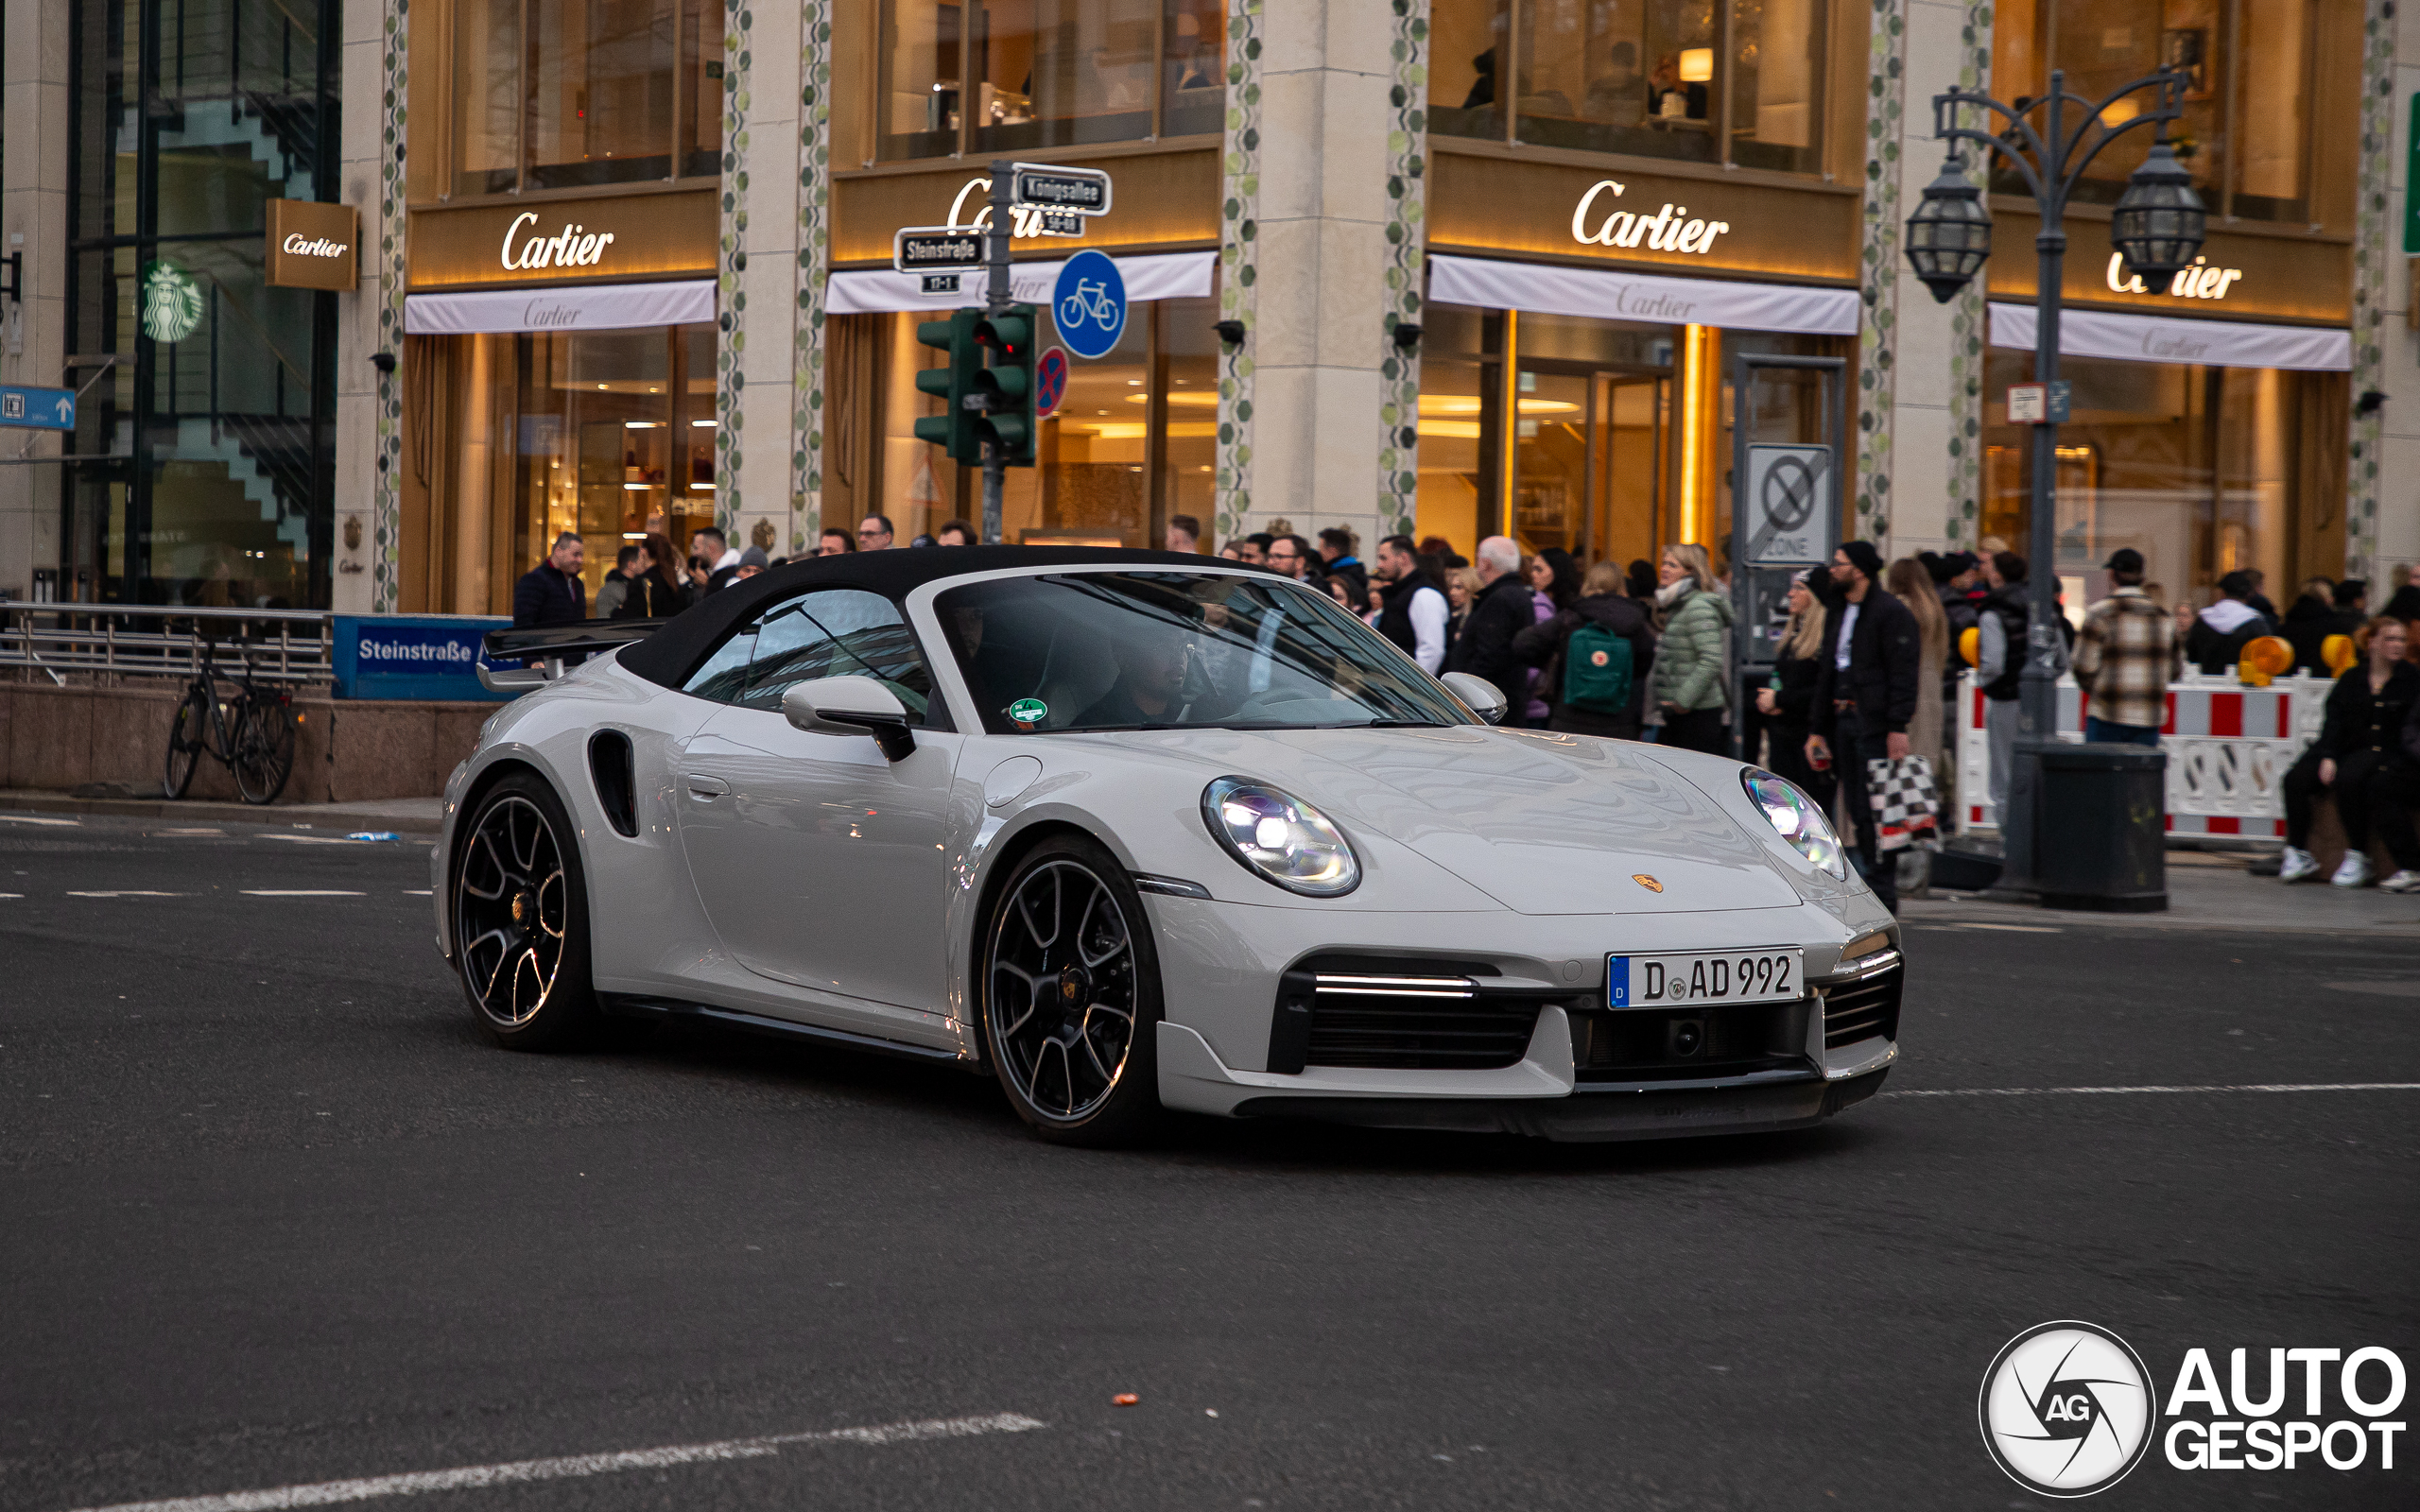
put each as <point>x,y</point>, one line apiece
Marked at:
<point>251,733</point>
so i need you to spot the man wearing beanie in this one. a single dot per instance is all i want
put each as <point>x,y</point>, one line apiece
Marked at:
<point>1865,694</point>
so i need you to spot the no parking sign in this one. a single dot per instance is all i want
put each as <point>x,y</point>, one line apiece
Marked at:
<point>1050,382</point>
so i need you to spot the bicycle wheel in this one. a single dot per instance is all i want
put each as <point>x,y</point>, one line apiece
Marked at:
<point>188,738</point>
<point>264,739</point>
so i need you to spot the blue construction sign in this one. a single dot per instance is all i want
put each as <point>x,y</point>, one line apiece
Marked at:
<point>39,409</point>
<point>1089,304</point>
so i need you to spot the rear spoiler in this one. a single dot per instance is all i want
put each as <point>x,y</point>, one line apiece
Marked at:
<point>542,649</point>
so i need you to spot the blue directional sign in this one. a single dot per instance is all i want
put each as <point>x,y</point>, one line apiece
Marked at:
<point>41,409</point>
<point>394,656</point>
<point>1089,304</point>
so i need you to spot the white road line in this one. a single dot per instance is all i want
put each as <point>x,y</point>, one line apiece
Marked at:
<point>474,1477</point>
<point>2112,1091</point>
<point>11,895</point>
<point>415,892</point>
<point>36,819</point>
<point>129,892</point>
<point>300,892</point>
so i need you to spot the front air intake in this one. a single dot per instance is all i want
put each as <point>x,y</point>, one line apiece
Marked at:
<point>1426,1016</point>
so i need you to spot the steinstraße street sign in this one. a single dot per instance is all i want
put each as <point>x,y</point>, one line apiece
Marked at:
<point>1788,502</point>
<point>1076,191</point>
<point>1089,304</point>
<point>937,248</point>
<point>39,409</point>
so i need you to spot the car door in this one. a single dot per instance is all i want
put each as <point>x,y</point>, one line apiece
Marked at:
<point>820,861</point>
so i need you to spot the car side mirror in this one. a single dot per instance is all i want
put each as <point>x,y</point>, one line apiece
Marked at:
<point>1483,697</point>
<point>850,706</point>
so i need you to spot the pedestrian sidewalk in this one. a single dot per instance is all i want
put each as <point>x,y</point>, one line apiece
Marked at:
<point>404,816</point>
<point>2206,890</point>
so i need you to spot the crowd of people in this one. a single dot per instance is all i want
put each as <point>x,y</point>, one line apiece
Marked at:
<point>1865,662</point>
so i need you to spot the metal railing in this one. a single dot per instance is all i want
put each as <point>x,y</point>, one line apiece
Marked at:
<point>164,641</point>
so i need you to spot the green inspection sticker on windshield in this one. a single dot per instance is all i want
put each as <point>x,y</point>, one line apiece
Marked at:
<point>1028,711</point>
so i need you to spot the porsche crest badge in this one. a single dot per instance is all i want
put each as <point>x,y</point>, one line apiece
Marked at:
<point>1647,882</point>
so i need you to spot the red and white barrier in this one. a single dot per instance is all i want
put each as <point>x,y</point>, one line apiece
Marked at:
<point>2228,747</point>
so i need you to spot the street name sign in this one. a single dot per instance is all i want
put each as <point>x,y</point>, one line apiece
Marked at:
<point>1076,191</point>
<point>936,283</point>
<point>937,248</point>
<point>39,409</point>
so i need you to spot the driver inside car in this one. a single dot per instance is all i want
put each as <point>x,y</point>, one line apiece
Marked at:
<point>1156,682</point>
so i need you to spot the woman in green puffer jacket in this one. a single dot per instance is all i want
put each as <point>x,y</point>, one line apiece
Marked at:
<point>1692,683</point>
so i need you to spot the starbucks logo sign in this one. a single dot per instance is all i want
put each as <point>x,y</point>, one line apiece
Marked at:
<point>171,302</point>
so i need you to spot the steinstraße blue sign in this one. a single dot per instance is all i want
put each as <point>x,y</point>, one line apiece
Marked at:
<point>1089,304</point>
<point>423,657</point>
<point>41,409</point>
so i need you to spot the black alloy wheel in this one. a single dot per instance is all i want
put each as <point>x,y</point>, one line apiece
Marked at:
<point>518,906</point>
<point>188,738</point>
<point>1070,984</point>
<point>264,755</point>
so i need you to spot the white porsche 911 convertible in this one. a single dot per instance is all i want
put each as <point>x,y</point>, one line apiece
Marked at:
<point>1132,830</point>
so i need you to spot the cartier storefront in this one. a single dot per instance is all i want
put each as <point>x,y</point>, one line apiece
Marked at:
<point>559,309</point>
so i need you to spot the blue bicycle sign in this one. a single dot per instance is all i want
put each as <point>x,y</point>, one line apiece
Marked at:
<point>1089,304</point>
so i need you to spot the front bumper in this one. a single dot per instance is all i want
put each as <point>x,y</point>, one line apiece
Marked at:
<point>1595,1114</point>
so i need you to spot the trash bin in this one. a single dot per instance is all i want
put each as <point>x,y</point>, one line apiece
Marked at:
<point>2099,828</point>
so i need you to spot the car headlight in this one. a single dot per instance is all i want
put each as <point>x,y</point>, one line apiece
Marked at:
<point>1798,820</point>
<point>1282,838</point>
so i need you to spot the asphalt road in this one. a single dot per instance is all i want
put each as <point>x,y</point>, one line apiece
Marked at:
<point>271,1214</point>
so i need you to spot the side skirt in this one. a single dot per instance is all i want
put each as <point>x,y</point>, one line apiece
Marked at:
<point>639,1006</point>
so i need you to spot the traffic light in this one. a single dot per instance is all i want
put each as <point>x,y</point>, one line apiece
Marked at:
<point>955,429</point>
<point>1007,385</point>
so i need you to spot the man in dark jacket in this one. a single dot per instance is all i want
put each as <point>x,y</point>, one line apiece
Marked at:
<point>551,592</point>
<point>1336,560</point>
<point>2310,619</point>
<point>1502,610</point>
<point>1865,695</point>
<point>1412,609</point>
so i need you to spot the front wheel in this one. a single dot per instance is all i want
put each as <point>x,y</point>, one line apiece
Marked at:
<point>1070,984</point>
<point>188,738</point>
<point>520,919</point>
<point>264,756</point>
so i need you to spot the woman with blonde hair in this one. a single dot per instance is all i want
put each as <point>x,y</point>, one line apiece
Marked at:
<point>1908,582</point>
<point>1787,699</point>
<point>1692,683</point>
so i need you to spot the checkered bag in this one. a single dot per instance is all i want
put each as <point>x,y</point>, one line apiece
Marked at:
<point>1907,807</point>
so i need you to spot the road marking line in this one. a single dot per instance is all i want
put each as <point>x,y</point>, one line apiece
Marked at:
<point>474,1477</point>
<point>36,819</point>
<point>416,892</point>
<point>2012,929</point>
<point>2107,1091</point>
<point>191,832</point>
<point>300,892</point>
<point>129,892</point>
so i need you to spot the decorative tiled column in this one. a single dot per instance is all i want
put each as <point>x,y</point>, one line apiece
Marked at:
<point>1308,253</point>
<point>2374,224</point>
<point>1407,240</point>
<point>382,286</point>
<point>756,379</point>
<point>814,258</point>
<point>1916,471</point>
<point>2393,532</point>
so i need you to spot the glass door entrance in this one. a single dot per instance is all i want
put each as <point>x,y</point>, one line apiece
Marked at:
<point>1591,460</point>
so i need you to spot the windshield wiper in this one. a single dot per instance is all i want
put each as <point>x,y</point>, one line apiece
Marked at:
<point>1398,724</point>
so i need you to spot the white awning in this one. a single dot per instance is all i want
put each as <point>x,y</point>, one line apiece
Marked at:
<point>596,307</point>
<point>2166,338</point>
<point>1605,294</point>
<point>1150,276</point>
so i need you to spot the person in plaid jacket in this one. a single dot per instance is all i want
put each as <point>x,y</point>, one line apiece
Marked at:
<point>2125,659</point>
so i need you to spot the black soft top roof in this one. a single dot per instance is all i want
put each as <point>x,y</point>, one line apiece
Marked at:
<point>669,655</point>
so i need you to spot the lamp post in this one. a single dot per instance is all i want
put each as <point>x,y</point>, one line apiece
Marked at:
<point>2156,227</point>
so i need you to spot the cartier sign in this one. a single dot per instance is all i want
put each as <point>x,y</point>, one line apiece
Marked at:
<point>605,238</point>
<point>2200,281</point>
<point>312,245</point>
<point>1600,220</point>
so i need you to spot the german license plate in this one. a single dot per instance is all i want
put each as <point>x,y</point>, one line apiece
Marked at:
<point>1688,979</point>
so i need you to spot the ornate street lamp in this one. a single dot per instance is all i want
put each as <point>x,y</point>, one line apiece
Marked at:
<point>2158,223</point>
<point>2156,227</point>
<point>1951,233</point>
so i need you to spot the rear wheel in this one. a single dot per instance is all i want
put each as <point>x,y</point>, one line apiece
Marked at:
<point>1071,996</point>
<point>264,755</point>
<point>188,736</point>
<point>520,919</point>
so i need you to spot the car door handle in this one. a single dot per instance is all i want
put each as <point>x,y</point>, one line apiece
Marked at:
<point>706,789</point>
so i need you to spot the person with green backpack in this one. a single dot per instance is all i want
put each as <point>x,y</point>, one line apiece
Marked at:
<point>1595,658</point>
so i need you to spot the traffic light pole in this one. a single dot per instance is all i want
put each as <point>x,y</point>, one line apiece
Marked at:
<point>995,303</point>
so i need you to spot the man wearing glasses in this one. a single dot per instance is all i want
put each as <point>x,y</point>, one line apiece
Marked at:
<point>873,533</point>
<point>1289,555</point>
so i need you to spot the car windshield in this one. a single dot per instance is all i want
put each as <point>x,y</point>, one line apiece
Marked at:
<point>1177,650</point>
